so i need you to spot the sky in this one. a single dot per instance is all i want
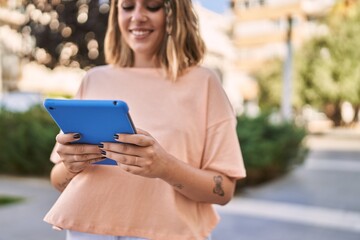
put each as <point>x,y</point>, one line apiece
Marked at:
<point>218,6</point>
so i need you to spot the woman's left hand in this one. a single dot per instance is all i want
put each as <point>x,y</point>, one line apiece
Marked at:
<point>138,154</point>
<point>142,155</point>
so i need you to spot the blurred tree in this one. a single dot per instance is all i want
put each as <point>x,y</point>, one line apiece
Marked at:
<point>269,79</point>
<point>68,32</point>
<point>270,84</point>
<point>327,68</point>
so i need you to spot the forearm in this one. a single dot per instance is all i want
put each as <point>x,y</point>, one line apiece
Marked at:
<point>199,185</point>
<point>60,177</point>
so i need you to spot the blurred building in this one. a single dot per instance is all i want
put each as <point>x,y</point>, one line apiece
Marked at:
<point>221,56</point>
<point>266,29</point>
<point>261,27</point>
<point>242,40</point>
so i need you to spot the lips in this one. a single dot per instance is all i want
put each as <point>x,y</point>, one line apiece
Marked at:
<point>140,33</point>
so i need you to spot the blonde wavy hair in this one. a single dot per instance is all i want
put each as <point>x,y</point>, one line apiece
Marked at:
<point>182,46</point>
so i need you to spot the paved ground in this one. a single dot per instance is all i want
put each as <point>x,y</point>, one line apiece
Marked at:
<point>23,221</point>
<point>317,201</point>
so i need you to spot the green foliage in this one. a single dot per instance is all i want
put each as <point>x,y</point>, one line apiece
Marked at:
<point>269,79</point>
<point>5,200</point>
<point>27,139</point>
<point>326,68</point>
<point>269,149</point>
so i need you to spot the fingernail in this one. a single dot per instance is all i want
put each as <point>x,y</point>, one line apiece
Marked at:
<point>76,135</point>
<point>103,152</point>
<point>116,136</point>
<point>100,145</point>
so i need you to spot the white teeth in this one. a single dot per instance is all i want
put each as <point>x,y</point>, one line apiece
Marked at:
<point>139,32</point>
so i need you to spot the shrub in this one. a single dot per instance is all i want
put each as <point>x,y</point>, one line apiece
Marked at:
<point>27,139</point>
<point>5,200</point>
<point>269,150</point>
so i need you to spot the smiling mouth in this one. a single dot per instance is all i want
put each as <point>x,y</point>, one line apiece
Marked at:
<point>140,33</point>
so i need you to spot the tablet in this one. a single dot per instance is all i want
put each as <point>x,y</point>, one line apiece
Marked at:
<point>96,120</point>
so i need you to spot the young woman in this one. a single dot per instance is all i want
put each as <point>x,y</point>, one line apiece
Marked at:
<point>185,155</point>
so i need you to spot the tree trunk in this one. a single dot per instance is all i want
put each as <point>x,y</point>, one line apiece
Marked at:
<point>356,117</point>
<point>333,112</point>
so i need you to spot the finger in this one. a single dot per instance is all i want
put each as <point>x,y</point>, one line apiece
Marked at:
<point>126,159</point>
<point>78,149</point>
<point>97,160</point>
<point>141,131</point>
<point>136,139</point>
<point>75,167</point>
<point>85,157</point>
<point>130,168</point>
<point>123,148</point>
<point>84,161</point>
<point>65,138</point>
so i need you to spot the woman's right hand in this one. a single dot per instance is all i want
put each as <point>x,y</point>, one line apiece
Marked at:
<point>76,157</point>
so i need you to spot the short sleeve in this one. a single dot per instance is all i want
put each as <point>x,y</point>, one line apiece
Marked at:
<point>222,151</point>
<point>81,91</point>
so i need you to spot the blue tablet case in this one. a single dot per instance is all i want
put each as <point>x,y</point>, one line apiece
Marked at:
<point>96,120</point>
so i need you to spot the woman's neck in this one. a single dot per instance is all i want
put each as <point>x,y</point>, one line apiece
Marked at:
<point>145,62</point>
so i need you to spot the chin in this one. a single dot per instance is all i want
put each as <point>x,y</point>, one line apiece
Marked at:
<point>143,50</point>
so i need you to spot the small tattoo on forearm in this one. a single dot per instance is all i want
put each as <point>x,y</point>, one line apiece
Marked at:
<point>218,188</point>
<point>178,186</point>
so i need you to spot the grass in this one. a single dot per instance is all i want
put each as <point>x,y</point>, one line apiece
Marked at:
<point>5,200</point>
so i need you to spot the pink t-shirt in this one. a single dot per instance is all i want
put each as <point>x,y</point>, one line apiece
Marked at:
<point>191,119</point>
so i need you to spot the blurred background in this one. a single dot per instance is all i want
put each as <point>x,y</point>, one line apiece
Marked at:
<point>289,67</point>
